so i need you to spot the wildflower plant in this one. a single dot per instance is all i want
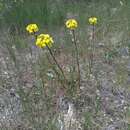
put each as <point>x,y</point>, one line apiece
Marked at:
<point>92,21</point>
<point>45,40</point>
<point>72,24</point>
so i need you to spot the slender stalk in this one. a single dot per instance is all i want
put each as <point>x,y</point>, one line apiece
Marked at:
<point>51,53</point>
<point>92,50</point>
<point>35,35</point>
<point>57,73</point>
<point>93,40</point>
<point>77,57</point>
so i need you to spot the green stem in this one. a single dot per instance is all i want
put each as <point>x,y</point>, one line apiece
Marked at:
<point>50,51</point>
<point>35,35</point>
<point>57,73</point>
<point>92,49</point>
<point>77,57</point>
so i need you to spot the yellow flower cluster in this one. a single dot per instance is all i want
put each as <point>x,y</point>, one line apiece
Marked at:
<point>71,24</point>
<point>32,28</point>
<point>44,40</point>
<point>93,20</point>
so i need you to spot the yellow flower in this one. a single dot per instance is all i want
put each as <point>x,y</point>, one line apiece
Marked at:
<point>71,24</point>
<point>93,20</point>
<point>44,40</point>
<point>32,28</point>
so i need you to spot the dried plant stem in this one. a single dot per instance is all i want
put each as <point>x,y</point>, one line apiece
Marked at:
<point>77,57</point>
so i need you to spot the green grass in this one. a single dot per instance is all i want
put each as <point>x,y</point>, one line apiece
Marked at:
<point>42,12</point>
<point>50,14</point>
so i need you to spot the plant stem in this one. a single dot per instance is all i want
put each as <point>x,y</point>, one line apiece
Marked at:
<point>57,73</point>
<point>35,35</point>
<point>92,49</point>
<point>77,57</point>
<point>51,53</point>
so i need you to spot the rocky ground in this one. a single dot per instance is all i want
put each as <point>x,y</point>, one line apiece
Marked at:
<point>103,103</point>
